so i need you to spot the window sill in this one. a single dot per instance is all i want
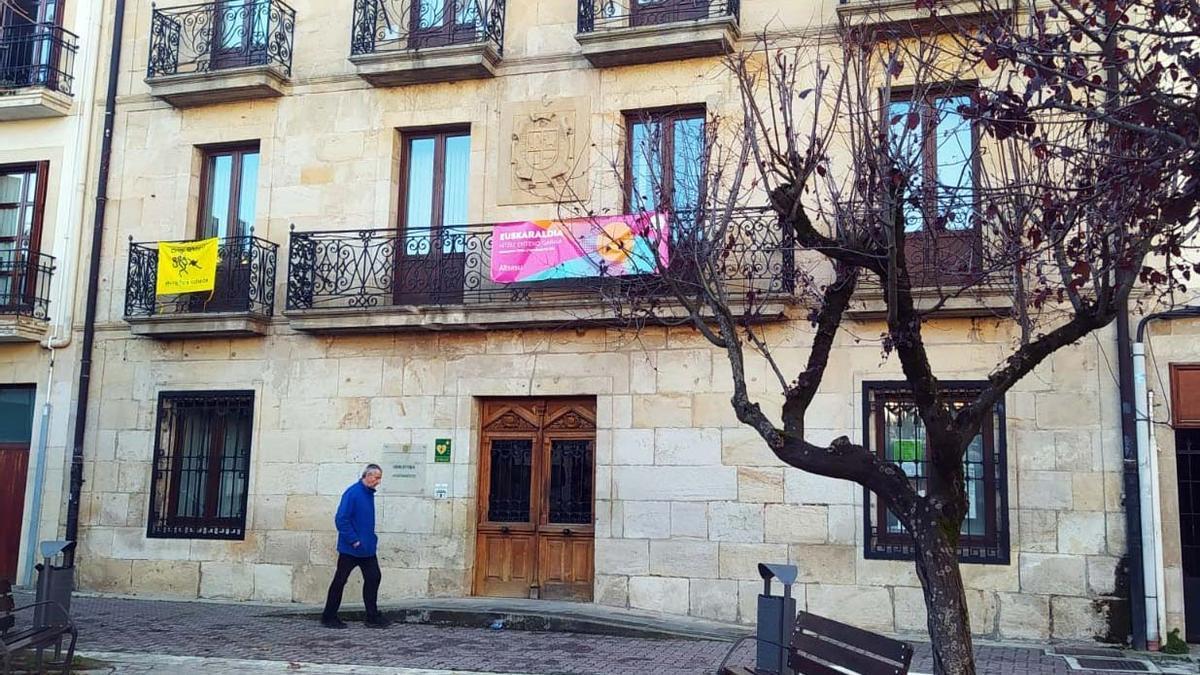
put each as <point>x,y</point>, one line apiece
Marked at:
<point>187,90</point>
<point>451,63</point>
<point>995,302</point>
<point>216,324</point>
<point>33,103</point>
<point>903,12</point>
<point>661,42</point>
<point>21,328</point>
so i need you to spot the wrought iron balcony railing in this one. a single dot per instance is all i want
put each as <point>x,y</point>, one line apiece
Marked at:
<point>25,283</point>
<point>220,35</point>
<point>245,281</point>
<point>403,25</point>
<point>452,267</point>
<point>37,55</point>
<point>600,15</point>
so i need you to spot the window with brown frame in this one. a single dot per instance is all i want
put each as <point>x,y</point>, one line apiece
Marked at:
<point>229,186</point>
<point>201,467</point>
<point>895,432</point>
<point>654,12</point>
<point>664,160</point>
<point>931,134</point>
<point>22,210</point>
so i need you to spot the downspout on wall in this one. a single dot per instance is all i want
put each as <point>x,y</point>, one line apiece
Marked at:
<point>89,321</point>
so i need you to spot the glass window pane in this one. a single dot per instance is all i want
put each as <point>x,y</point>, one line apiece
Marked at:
<point>688,139</point>
<point>235,455</point>
<point>571,481</point>
<point>646,166</point>
<point>455,195</point>
<point>955,168</point>
<point>247,193</point>
<point>418,217</point>
<point>906,151</point>
<point>510,481</point>
<point>431,13</point>
<point>467,13</point>
<point>10,187</point>
<point>10,220</point>
<point>16,414</point>
<point>194,446</point>
<point>215,220</point>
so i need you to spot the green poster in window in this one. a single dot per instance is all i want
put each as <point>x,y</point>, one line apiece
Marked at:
<point>441,451</point>
<point>908,450</point>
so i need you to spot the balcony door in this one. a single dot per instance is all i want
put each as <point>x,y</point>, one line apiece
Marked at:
<point>535,535</point>
<point>653,12</point>
<point>29,42</point>
<point>240,33</point>
<point>16,430</point>
<point>436,23</point>
<point>22,204</point>
<point>229,182</point>
<point>433,242</point>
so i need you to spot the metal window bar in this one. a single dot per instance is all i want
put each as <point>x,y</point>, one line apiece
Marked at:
<point>201,468</point>
<point>600,15</point>
<point>451,266</point>
<point>405,25</point>
<point>220,35</point>
<point>37,55</point>
<point>25,282</point>
<point>245,281</point>
<point>987,542</point>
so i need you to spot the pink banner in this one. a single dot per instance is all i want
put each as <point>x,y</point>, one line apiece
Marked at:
<point>578,248</point>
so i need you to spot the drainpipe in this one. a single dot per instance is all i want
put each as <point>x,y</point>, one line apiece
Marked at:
<point>1151,504</point>
<point>89,321</point>
<point>68,252</point>
<point>1140,612</point>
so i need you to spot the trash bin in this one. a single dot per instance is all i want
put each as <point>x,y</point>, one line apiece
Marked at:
<point>54,584</point>
<point>776,615</point>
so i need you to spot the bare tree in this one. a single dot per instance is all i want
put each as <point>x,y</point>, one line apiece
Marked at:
<point>903,168</point>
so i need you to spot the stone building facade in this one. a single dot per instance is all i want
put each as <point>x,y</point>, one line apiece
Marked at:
<point>303,130</point>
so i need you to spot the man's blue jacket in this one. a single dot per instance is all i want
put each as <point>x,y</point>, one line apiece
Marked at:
<point>355,521</point>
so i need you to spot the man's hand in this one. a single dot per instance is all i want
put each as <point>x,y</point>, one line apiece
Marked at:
<point>355,544</point>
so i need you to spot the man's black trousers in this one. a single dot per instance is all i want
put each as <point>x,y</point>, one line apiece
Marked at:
<point>371,577</point>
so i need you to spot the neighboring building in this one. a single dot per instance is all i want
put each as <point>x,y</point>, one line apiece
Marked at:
<point>48,59</point>
<point>349,158</point>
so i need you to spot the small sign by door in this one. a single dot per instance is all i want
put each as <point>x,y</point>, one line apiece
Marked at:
<point>404,469</point>
<point>441,451</point>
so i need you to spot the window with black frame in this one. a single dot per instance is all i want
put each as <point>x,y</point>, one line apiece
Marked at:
<point>201,465</point>
<point>895,432</point>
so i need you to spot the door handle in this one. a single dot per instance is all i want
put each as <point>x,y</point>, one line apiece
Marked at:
<point>567,532</point>
<point>505,530</point>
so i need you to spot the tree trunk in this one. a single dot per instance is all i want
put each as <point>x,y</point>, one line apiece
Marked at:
<point>945,602</point>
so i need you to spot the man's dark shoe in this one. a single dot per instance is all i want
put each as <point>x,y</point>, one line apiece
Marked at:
<point>378,622</point>
<point>333,623</point>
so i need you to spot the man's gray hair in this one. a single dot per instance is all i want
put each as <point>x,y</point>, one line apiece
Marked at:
<point>370,468</point>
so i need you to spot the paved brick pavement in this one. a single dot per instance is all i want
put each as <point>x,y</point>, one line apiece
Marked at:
<point>249,631</point>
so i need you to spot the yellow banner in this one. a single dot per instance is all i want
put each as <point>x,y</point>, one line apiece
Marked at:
<point>186,267</point>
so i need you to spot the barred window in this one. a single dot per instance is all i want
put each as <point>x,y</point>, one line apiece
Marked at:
<point>201,465</point>
<point>895,432</point>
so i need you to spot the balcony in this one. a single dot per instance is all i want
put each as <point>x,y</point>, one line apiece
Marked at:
<point>241,304</point>
<point>36,66</point>
<point>24,295</point>
<point>384,280</point>
<point>398,42</point>
<point>628,32</point>
<point>903,13</point>
<point>217,52</point>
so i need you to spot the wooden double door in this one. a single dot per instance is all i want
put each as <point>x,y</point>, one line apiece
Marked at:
<point>535,534</point>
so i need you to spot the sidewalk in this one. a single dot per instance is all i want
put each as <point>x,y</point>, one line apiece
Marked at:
<point>275,637</point>
<point>124,663</point>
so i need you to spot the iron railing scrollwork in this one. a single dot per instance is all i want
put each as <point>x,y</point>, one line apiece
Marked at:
<point>37,55</point>
<point>220,35</point>
<point>245,281</point>
<point>25,283</point>
<point>600,15</point>
<point>404,25</point>
<point>452,267</point>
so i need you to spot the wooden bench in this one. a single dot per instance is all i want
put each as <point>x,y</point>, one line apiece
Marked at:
<point>821,646</point>
<point>38,638</point>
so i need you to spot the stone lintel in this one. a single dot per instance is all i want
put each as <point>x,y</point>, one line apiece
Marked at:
<point>662,42</point>
<point>222,324</point>
<point>480,317</point>
<point>187,90</point>
<point>451,63</point>
<point>19,328</point>
<point>33,103</point>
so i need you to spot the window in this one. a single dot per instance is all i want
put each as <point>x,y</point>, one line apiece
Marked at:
<point>29,42</point>
<point>932,137</point>
<point>229,181</point>
<point>896,433</point>
<point>201,465</point>
<point>433,211</point>
<point>664,160</point>
<point>242,28</point>
<point>22,207</point>
<point>436,23</point>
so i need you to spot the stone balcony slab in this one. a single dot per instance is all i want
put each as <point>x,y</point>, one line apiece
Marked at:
<point>33,103</point>
<point>21,328</point>
<point>187,90</point>
<point>214,324</point>
<point>904,12</point>
<point>869,303</point>
<point>451,63</point>
<point>660,42</point>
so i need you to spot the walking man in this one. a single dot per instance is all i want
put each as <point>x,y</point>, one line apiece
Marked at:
<point>355,521</point>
